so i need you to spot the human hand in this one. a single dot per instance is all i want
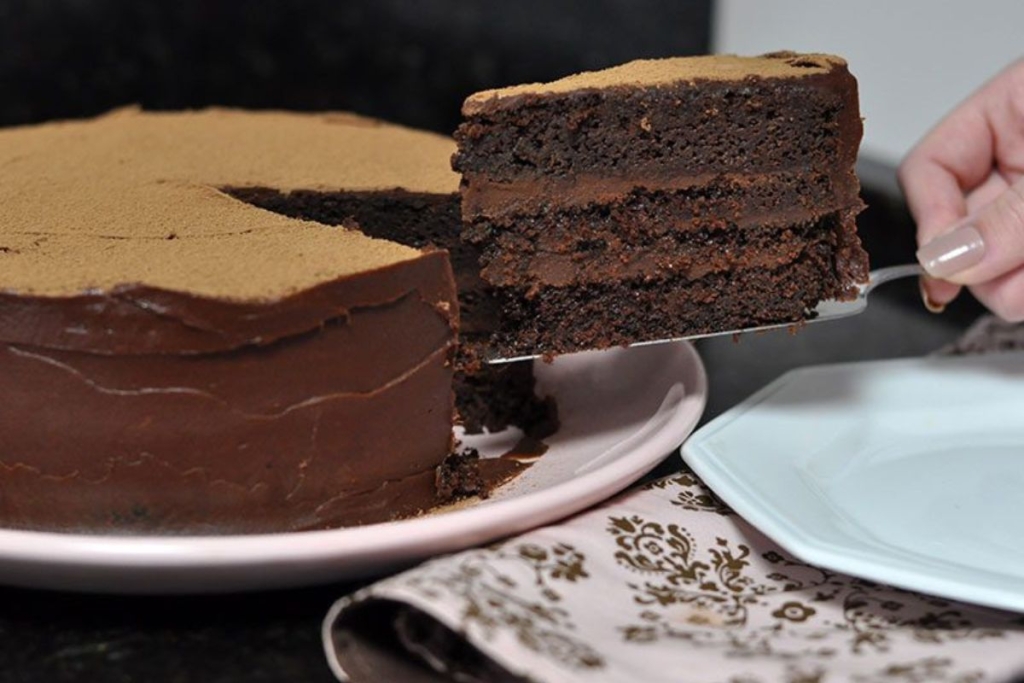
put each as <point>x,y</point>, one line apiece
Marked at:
<point>964,184</point>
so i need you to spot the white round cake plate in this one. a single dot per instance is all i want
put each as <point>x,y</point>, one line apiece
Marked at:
<point>908,473</point>
<point>621,411</point>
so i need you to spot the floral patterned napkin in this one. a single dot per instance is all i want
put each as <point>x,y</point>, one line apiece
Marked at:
<point>665,583</point>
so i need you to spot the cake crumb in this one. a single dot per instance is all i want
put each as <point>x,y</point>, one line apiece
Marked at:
<point>458,476</point>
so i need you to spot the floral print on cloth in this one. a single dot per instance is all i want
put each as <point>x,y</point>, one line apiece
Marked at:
<point>665,583</point>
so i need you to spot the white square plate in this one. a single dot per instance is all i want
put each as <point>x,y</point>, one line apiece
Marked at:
<point>907,472</point>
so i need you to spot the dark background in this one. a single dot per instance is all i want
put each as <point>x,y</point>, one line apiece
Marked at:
<point>407,61</point>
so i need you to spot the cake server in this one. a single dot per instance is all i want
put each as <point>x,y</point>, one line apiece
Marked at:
<point>826,310</point>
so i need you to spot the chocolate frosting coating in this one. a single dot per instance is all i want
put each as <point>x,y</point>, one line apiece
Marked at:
<point>337,423</point>
<point>134,319</point>
<point>174,360</point>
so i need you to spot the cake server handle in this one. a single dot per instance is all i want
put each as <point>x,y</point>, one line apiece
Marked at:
<point>826,310</point>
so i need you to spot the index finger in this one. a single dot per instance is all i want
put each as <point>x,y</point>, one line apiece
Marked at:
<point>936,201</point>
<point>934,195</point>
<point>953,158</point>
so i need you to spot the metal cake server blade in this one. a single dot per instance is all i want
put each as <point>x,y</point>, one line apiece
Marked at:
<point>826,310</point>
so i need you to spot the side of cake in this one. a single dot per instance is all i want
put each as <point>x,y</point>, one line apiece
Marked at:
<point>663,198</point>
<point>176,360</point>
<point>205,425</point>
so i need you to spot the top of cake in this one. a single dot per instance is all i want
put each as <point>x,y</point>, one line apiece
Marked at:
<point>658,72</point>
<point>137,198</point>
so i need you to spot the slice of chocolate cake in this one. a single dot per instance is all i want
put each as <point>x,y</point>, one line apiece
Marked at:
<point>663,198</point>
<point>174,359</point>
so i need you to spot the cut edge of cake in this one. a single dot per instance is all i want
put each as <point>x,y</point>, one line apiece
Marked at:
<point>598,200</point>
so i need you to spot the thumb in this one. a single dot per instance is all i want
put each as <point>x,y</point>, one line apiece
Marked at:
<point>983,246</point>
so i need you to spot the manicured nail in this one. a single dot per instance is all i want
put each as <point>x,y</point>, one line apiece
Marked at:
<point>932,306</point>
<point>952,253</point>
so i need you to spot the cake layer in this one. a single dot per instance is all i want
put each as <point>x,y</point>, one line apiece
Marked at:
<point>555,320</point>
<point>106,461</point>
<point>755,124</point>
<point>253,439</point>
<point>713,222</point>
<point>706,195</point>
<point>683,256</point>
<point>133,319</point>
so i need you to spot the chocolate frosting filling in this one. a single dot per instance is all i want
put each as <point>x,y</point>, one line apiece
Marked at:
<point>486,198</point>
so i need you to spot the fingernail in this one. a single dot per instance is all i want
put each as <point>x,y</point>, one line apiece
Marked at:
<point>932,306</point>
<point>952,253</point>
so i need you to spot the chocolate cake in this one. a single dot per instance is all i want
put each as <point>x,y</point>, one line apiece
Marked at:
<point>176,359</point>
<point>663,198</point>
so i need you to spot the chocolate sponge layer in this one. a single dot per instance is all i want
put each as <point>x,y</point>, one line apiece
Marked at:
<point>621,311</point>
<point>754,125</point>
<point>663,198</point>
